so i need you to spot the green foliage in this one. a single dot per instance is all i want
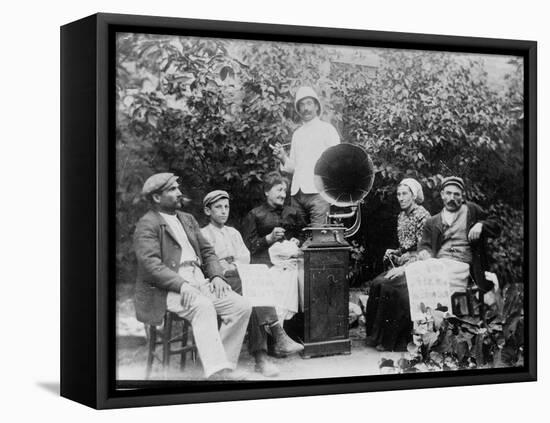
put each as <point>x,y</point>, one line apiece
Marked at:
<point>507,250</point>
<point>356,273</point>
<point>468,343</point>
<point>207,110</point>
<point>428,115</point>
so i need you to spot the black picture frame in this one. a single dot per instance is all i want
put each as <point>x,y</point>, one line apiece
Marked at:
<point>87,192</point>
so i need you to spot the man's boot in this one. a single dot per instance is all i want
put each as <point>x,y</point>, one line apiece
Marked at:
<point>284,345</point>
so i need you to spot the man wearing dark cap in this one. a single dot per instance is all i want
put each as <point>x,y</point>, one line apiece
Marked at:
<point>231,250</point>
<point>458,235</point>
<point>172,254</point>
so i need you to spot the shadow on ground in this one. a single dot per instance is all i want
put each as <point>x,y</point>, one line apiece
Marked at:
<point>51,387</point>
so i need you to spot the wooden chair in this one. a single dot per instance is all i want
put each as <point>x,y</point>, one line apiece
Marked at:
<point>166,339</point>
<point>469,303</point>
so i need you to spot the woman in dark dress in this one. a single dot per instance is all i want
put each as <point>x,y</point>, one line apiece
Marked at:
<point>388,321</point>
<point>272,221</point>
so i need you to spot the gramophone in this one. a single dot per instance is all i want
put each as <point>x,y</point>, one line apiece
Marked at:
<point>344,175</point>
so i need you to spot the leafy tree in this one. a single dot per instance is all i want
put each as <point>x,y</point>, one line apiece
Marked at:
<point>428,115</point>
<point>207,109</point>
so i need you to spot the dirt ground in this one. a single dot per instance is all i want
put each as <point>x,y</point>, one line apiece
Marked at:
<point>132,353</point>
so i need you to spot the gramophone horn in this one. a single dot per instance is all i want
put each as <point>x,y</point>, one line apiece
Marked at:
<point>344,175</point>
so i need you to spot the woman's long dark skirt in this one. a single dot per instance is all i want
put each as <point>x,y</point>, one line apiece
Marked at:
<point>388,318</point>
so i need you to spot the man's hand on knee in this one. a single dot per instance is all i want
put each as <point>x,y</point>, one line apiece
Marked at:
<point>188,295</point>
<point>219,287</point>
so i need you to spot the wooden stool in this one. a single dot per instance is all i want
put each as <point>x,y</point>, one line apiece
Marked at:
<point>165,338</point>
<point>469,303</point>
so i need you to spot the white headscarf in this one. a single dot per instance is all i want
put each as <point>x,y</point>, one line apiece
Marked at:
<point>416,189</point>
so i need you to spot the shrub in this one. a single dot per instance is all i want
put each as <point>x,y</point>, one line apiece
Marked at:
<point>207,110</point>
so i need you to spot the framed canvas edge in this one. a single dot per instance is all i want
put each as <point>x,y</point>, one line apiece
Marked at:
<point>78,337</point>
<point>234,393</point>
<point>530,168</point>
<point>315,34</point>
<point>105,313</point>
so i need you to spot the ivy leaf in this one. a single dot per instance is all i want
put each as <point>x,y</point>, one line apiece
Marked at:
<point>227,71</point>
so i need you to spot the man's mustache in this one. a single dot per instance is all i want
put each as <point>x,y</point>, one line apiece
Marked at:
<point>183,200</point>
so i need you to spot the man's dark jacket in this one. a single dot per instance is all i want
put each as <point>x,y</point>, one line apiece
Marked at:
<point>158,257</point>
<point>432,239</point>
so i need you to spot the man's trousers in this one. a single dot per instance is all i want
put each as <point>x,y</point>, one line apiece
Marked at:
<point>218,349</point>
<point>312,207</point>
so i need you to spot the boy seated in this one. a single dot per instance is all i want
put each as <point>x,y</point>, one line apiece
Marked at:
<point>230,248</point>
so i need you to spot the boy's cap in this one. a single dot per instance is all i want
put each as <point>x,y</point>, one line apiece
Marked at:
<point>214,196</point>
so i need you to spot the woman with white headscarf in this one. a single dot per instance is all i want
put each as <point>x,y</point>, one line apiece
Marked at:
<point>410,221</point>
<point>388,322</point>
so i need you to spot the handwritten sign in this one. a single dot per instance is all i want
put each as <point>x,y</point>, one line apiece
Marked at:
<point>428,284</point>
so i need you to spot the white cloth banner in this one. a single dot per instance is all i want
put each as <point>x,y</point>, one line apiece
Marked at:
<point>428,285</point>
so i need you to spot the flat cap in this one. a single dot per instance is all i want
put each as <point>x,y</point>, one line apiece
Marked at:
<point>158,183</point>
<point>214,196</point>
<point>453,180</point>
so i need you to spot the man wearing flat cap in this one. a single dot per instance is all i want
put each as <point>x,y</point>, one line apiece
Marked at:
<point>458,235</point>
<point>172,254</point>
<point>231,249</point>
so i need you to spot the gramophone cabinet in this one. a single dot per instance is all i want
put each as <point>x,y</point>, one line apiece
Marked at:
<point>326,298</point>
